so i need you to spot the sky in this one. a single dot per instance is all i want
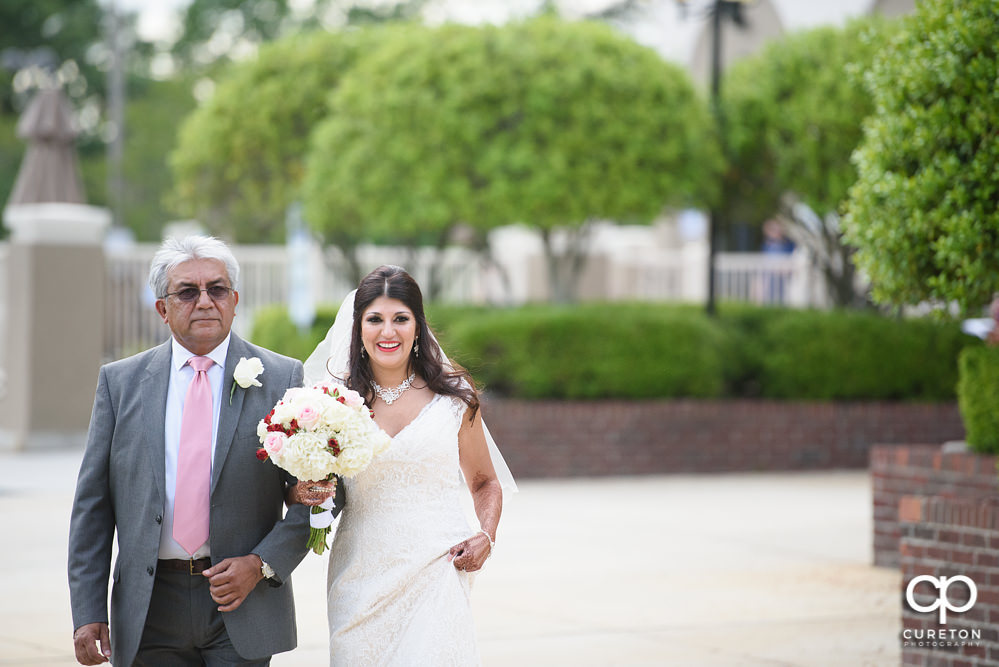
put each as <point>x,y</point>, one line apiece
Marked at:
<point>662,27</point>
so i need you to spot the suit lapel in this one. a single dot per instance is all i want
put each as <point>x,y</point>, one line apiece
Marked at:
<point>229,414</point>
<point>153,390</point>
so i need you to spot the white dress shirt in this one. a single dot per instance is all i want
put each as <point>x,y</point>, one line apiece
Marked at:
<point>181,375</point>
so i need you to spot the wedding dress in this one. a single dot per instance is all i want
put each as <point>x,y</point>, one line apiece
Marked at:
<point>393,597</point>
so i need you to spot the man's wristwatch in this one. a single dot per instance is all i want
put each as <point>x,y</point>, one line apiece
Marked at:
<point>266,569</point>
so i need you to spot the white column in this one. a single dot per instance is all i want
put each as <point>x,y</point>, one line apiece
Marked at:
<point>55,323</point>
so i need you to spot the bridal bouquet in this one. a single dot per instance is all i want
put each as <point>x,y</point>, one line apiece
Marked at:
<point>317,432</point>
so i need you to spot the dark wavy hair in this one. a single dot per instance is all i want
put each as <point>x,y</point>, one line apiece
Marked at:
<point>449,380</point>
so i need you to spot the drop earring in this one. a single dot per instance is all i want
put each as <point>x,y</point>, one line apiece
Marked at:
<point>416,348</point>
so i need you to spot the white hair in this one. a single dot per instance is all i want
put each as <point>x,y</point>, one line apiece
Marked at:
<point>174,252</point>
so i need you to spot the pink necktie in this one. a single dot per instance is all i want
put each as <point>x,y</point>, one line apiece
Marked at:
<point>194,461</point>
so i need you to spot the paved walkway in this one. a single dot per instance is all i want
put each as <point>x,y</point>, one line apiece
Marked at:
<point>750,569</point>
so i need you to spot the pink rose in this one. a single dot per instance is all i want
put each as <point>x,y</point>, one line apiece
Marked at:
<point>274,442</point>
<point>351,398</point>
<point>308,417</point>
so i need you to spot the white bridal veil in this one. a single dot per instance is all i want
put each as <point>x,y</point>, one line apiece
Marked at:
<point>331,358</point>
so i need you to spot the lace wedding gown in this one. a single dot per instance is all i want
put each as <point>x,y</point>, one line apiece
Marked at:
<point>394,598</point>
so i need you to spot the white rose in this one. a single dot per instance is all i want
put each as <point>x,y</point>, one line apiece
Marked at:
<point>353,460</point>
<point>283,413</point>
<point>291,394</point>
<point>247,371</point>
<point>334,414</point>
<point>304,456</point>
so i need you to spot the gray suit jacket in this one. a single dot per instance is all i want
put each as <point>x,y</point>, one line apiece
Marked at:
<point>121,487</point>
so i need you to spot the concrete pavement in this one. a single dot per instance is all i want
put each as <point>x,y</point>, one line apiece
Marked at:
<point>747,569</point>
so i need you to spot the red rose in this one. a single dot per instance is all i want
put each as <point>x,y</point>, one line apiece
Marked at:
<point>261,454</point>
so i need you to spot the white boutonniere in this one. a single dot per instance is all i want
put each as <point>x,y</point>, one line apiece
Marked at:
<point>246,374</point>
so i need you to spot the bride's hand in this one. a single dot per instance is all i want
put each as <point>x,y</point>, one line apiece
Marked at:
<point>311,493</point>
<point>471,554</point>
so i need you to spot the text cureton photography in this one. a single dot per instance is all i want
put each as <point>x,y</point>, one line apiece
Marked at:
<point>940,637</point>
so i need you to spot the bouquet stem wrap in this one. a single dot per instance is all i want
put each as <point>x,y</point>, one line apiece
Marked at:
<point>319,526</point>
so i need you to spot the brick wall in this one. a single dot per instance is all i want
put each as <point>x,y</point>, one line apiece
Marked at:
<point>581,438</point>
<point>951,537</point>
<point>921,470</point>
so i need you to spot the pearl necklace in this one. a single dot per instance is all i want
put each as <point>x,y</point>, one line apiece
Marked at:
<point>392,394</point>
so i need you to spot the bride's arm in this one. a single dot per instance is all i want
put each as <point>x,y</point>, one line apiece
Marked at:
<point>487,494</point>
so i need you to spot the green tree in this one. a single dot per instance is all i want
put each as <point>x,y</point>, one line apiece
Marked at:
<point>793,115</point>
<point>924,212</point>
<point>548,123</point>
<point>212,28</point>
<point>151,133</point>
<point>240,157</point>
<point>48,35</point>
<point>43,42</point>
<point>11,151</point>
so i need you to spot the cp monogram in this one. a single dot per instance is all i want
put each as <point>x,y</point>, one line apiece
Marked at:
<point>942,602</point>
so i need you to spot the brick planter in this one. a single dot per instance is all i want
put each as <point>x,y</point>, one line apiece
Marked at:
<point>951,537</point>
<point>586,438</point>
<point>921,470</point>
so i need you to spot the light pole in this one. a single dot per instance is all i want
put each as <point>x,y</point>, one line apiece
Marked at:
<point>717,11</point>
<point>114,35</point>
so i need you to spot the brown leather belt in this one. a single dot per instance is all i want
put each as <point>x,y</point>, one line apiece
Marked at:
<point>196,566</point>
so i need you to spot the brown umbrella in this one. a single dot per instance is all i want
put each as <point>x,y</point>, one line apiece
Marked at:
<point>49,171</point>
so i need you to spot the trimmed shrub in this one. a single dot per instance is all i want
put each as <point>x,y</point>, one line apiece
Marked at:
<point>978,396</point>
<point>858,355</point>
<point>273,329</point>
<point>593,351</point>
<point>652,351</point>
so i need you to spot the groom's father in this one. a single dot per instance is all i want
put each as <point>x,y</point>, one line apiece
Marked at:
<point>205,551</point>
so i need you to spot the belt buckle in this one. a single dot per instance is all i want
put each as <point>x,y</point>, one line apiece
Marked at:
<point>190,566</point>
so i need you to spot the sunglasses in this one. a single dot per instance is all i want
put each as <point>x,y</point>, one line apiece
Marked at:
<point>191,294</point>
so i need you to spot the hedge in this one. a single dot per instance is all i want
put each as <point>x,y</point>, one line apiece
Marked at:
<point>646,351</point>
<point>978,396</point>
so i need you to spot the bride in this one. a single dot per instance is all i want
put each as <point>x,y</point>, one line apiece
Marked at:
<point>403,555</point>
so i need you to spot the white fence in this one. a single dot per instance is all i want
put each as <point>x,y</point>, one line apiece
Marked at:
<point>769,279</point>
<point>132,324</point>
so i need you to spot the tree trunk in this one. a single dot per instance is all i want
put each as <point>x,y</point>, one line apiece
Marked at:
<point>565,268</point>
<point>832,256</point>
<point>484,250</point>
<point>435,278</point>
<point>348,249</point>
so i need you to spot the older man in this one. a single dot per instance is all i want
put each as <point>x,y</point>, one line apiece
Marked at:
<point>205,550</point>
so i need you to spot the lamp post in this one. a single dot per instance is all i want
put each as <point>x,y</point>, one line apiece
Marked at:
<point>718,10</point>
<point>115,37</point>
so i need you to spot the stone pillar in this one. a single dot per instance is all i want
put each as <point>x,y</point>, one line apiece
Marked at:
<point>54,286</point>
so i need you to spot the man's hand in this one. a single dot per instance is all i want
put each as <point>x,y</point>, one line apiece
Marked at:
<point>85,641</point>
<point>232,579</point>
